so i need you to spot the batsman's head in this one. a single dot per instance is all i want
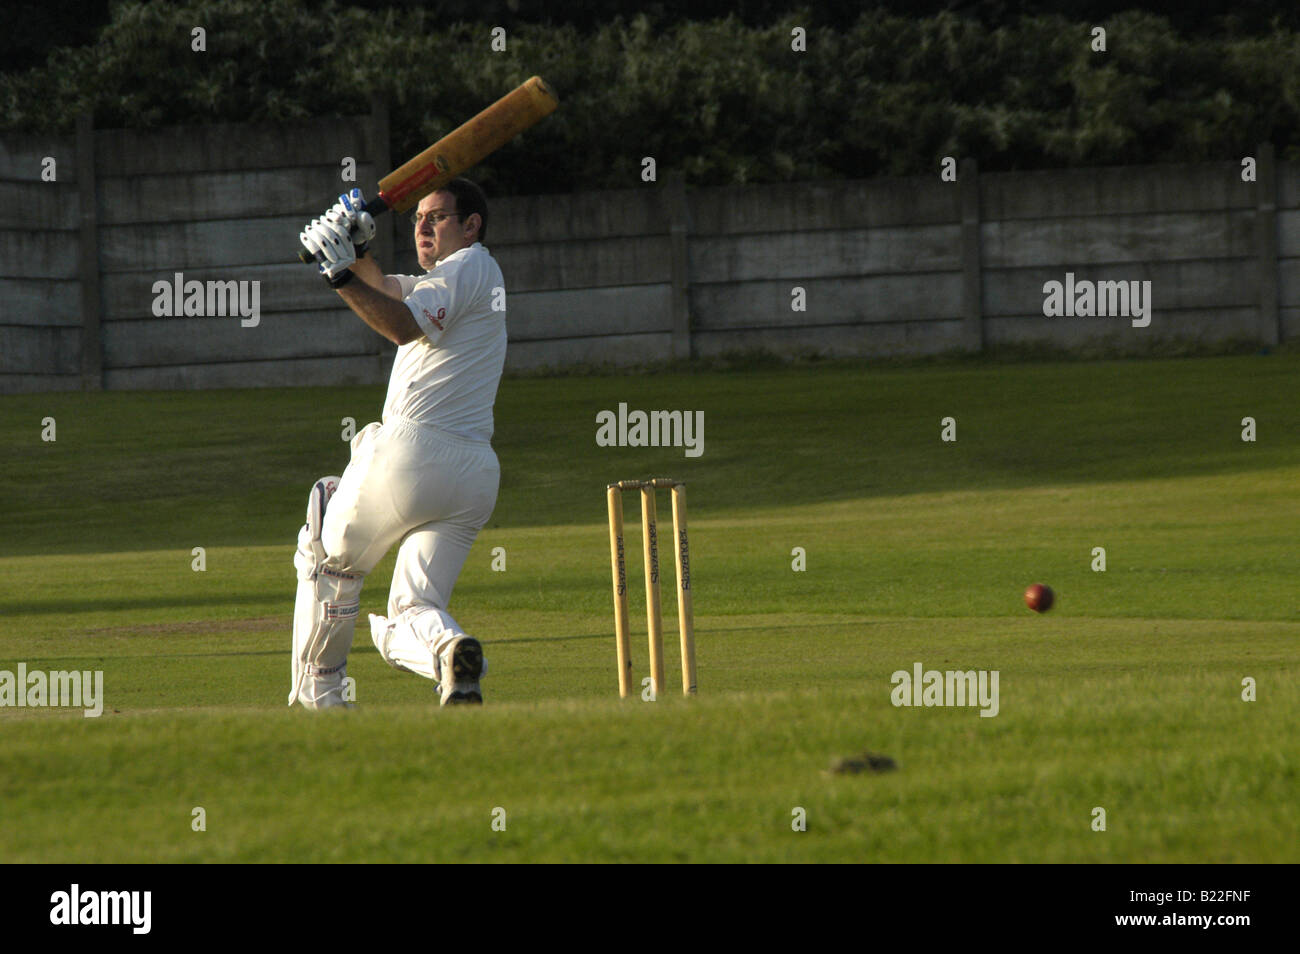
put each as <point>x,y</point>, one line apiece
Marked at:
<point>448,220</point>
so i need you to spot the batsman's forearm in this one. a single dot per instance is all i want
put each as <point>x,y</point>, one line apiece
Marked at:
<point>388,316</point>
<point>368,270</point>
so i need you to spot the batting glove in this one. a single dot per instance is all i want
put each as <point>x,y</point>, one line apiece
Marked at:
<point>352,201</point>
<point>329,239</point>
<point>352,205</point>
<point>309,241</point>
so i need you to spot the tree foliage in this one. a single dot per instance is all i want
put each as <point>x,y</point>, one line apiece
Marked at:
<point>722,100</point>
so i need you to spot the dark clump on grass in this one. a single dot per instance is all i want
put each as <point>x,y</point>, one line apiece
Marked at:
<point>866,762</point>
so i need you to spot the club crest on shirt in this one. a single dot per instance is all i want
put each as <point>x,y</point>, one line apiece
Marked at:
<point>436,319</point>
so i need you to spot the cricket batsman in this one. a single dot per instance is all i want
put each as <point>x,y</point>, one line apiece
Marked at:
<point>425,476</point>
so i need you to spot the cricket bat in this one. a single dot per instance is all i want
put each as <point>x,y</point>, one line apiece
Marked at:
<point>462,148</point>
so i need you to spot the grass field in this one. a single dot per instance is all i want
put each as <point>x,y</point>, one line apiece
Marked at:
<point>1127,696</point>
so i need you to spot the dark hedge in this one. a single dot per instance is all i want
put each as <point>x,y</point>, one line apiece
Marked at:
<point>721,101</point>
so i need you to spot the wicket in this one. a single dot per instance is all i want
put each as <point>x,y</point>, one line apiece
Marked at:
<point>654,619</point>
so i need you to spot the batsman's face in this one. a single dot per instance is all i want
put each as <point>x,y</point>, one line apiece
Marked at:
<point>440,231</point>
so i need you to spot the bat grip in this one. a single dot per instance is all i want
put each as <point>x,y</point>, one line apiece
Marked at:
<point>376,206</point>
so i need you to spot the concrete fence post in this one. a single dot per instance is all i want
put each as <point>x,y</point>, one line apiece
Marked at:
<point>384,243</point>
<point>972,318</point>
<point>679,229</point>
<point>92,351</point>
<point>1266,245</point>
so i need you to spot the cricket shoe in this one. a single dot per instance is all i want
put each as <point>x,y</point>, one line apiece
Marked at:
<point>463,659</point>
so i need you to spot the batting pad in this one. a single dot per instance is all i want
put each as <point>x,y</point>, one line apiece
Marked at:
<point>324,619</point>
<point>325,612</point>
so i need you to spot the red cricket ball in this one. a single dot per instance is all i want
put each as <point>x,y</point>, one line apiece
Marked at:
<point>1039,598</point>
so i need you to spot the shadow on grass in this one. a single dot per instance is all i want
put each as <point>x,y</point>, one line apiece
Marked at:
<point>63,606</point>
<point>218,470</point>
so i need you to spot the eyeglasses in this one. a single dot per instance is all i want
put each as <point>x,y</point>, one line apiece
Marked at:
<point>418,217</point>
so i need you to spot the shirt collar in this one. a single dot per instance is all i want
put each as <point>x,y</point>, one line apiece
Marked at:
<point>458,253</point>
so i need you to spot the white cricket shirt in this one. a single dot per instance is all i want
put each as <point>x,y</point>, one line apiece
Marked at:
<point>448,378</point>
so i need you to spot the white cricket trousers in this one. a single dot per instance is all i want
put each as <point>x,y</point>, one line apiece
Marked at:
<point>428,491</point>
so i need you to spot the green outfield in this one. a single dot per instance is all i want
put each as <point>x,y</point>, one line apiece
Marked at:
<point>1126,697</point>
